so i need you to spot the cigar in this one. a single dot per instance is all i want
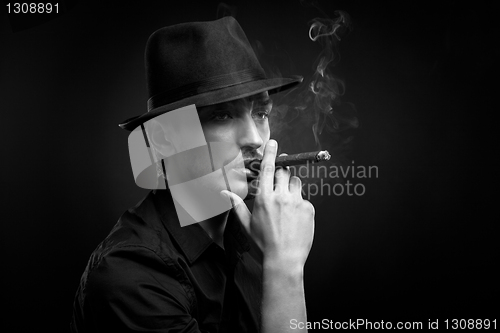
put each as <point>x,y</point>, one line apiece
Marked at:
<point>290,160</point>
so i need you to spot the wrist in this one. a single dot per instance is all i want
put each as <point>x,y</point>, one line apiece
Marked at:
<point>283,268</point>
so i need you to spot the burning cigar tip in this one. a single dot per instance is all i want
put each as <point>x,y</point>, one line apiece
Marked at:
<point>323,155</point>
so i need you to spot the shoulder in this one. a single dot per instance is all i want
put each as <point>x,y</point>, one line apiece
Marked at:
<point>133,278</point>
<point>133,284</point>
<point>138,252</point>
<point>136,249</point>
<point>127,268</point>
<point>132,287</point>
<point>138,232</point>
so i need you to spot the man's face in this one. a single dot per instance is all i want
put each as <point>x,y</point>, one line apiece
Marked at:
<point>244,125</point>
<point>240,125</point>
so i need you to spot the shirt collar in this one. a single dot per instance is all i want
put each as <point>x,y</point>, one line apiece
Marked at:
<point>193,239</point>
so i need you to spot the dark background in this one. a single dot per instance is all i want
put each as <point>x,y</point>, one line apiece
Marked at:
<point>420,244</point>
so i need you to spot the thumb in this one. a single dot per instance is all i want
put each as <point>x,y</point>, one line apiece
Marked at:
<point>240,208</point>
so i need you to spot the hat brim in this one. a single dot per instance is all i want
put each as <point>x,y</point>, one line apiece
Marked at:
<point>226,94</point>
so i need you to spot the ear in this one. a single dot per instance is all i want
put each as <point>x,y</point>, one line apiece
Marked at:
<point>158,138</point>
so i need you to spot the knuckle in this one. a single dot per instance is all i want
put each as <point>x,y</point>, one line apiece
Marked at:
<point>310,207</point>
<point>280,200</point>
<point>268,167</point>
<point>313,210</point>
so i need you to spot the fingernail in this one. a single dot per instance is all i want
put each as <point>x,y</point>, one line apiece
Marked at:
<point>271,143</point>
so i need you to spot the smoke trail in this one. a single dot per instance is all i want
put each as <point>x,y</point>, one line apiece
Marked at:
<point>312,117</point>
<point>317,103</point>
<point>326,88</point>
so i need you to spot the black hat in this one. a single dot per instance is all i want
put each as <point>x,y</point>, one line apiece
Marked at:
<point>202,63</point>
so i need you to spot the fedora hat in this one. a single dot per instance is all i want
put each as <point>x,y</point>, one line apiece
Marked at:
<point>202,63</point>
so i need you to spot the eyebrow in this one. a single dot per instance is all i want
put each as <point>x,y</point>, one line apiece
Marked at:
<point>260,101</point>
<point>264,101</point>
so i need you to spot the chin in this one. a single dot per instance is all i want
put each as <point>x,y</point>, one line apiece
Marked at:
<point>244,189</point>
<point>241,189</point>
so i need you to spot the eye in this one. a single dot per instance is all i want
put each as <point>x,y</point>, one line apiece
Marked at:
<point>261,115</point>
<point>221,116</point>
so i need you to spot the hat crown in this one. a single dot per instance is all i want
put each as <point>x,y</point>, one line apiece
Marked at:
<point>188,56</point>
<point>202,63</point>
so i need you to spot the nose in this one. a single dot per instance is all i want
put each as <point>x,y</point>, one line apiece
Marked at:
<point>248,134</point>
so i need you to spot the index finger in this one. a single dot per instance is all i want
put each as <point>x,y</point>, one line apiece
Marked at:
<point>267,167</point>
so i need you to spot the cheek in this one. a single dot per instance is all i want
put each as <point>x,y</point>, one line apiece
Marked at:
<point>222,144</point>
<point>218,133</point>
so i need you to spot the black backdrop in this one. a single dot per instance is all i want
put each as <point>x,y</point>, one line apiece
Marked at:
<point>420,243</point>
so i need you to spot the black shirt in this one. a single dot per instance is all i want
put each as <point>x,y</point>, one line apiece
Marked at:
<point>150,274</point>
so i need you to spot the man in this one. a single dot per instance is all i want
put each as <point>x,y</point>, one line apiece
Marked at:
<point>152,274</point>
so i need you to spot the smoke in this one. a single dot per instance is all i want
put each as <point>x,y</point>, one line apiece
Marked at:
<point>326,88</point>
<point>311,116</point>
<point>316,104</point>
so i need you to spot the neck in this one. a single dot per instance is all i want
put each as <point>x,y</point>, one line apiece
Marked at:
<point>215,227</point>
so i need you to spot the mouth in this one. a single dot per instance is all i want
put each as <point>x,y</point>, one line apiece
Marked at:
<point>249,174</point>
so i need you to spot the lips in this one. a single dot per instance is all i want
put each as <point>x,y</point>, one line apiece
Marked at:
<point>249,174</point>
<point>243,167</point>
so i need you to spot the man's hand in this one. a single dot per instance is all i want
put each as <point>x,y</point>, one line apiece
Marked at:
<point>282,225</point>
